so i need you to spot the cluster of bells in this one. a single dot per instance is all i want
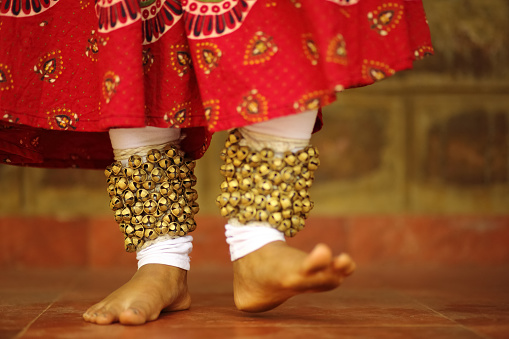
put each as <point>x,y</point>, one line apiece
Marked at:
<point>260,186</point>
<point>154,197</point>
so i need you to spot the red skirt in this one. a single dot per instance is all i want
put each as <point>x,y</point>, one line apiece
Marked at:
<point>71,70</point>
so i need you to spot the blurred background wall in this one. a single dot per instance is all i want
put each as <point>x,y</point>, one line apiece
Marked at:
<point>415,168</point>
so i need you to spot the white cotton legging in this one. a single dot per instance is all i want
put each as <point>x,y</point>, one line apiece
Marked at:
<point>289,133</point>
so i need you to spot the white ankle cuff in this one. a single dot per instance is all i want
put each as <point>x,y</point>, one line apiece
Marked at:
<point>246,239</point>
<point>171,252</point>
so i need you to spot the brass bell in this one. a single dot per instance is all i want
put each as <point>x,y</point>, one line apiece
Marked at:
<point>118,216</point>
<point>300,184</point>
<point>108,171</point>
<point>162,227</point>
<point>148,167</point>
<point>282,227</point>
<point>275,177</point>
<point>137,242</point>
<point>222,154</point>
<point>286,223</point>
<point>183,229</point>
<point>135,161</point>
<point>150,206</point>
<point>286,202</point>
<point>129,246</point>
<point>312,152</point>
<point>303,155</point>
<point>296,221</point>
<point>241,218</point>
<point>191,224</point>
<point>257,178</point>
<point>246,170</point>
<point>163,204</point>
<point>313,164</point>
<point>247,198</point>
<point>260,202</point>
<point>116,167</point>
<point>139,175</point>
<point>287,213</point>
<point>119,192</point>
<point>297,170</point>
<point>303,193</point>
<point>262,215</point>
<point>165,188</point>
<point>285,188</point>
<point>112,190</point>
<point>290,232</point>
<point>150,234</point>
<point>234,137</point>
<point>149,185</point>
<point>116,203</point>
<point>187,183</point>
<point>169,218</point>
<point>133,186</point>
<point>290,158</point>
<point>242,153</point>
<point>155,196</point>
<point>297,206</point>
<point>122,183</point>
<point>306,205</point>
<point>126,214</point>
<point>191,164</point>
<point>173,196</point>
<point>142,195</point>
<point>178,160</point>
<point>265,187</point>
<point>173,227</point>
<point>121,228</point>
<point>136,219</point>
<point>176,209</point>
<point>112,180</point>
<point>287,175</point>
<point>306,173</point>
<point>234,198</point>
<point>164,163</point>
<point>231,152</point>
<point>182,218</point>
<point>184,171</point>
<point>148,221</point>
<point>128,172</point>
<point>227,170</point>
<point>233,185</point>
<point>190,194</point>
<point>173,172</point>
<point>138,231</point>
<point>254,159</point>
<point>158,174</point>
<point>292,195</point>
<point>267,154</point>
<point>129,230</point>
<point>182,202</point>
<point>195,208</point>
<point>171,152</point>
<point>277,164</point>
<point>246,184</point>
<point>263,169</point>
<point>154,155</point>
<point>275,219</point>
<point>276,194</point>
<point>157,214</point>
<point>273,205</point>
<point>176,184</point>
<point>137,208</point>
<point>250,212</point>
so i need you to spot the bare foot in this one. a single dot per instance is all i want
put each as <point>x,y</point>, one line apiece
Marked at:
<point>266,278</point>
<point>153,288</point>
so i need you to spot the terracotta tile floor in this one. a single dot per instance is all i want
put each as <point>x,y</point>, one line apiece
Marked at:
<point>377,302</point>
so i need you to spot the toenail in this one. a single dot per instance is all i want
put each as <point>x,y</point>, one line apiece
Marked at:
<point>135,311</point>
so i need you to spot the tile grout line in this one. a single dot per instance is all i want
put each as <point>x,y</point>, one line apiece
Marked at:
<point>25,329</point>
<point>446,317</point>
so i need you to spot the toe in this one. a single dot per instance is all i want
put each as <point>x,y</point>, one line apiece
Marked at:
<point>132,316</point>
<point>320,258</point>
<point>344,264</point>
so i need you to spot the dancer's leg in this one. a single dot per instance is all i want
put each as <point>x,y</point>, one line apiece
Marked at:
<point>155,219</point>
<point>265,197</point>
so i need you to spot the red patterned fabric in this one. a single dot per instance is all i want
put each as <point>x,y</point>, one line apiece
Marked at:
<point>71,70</point>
